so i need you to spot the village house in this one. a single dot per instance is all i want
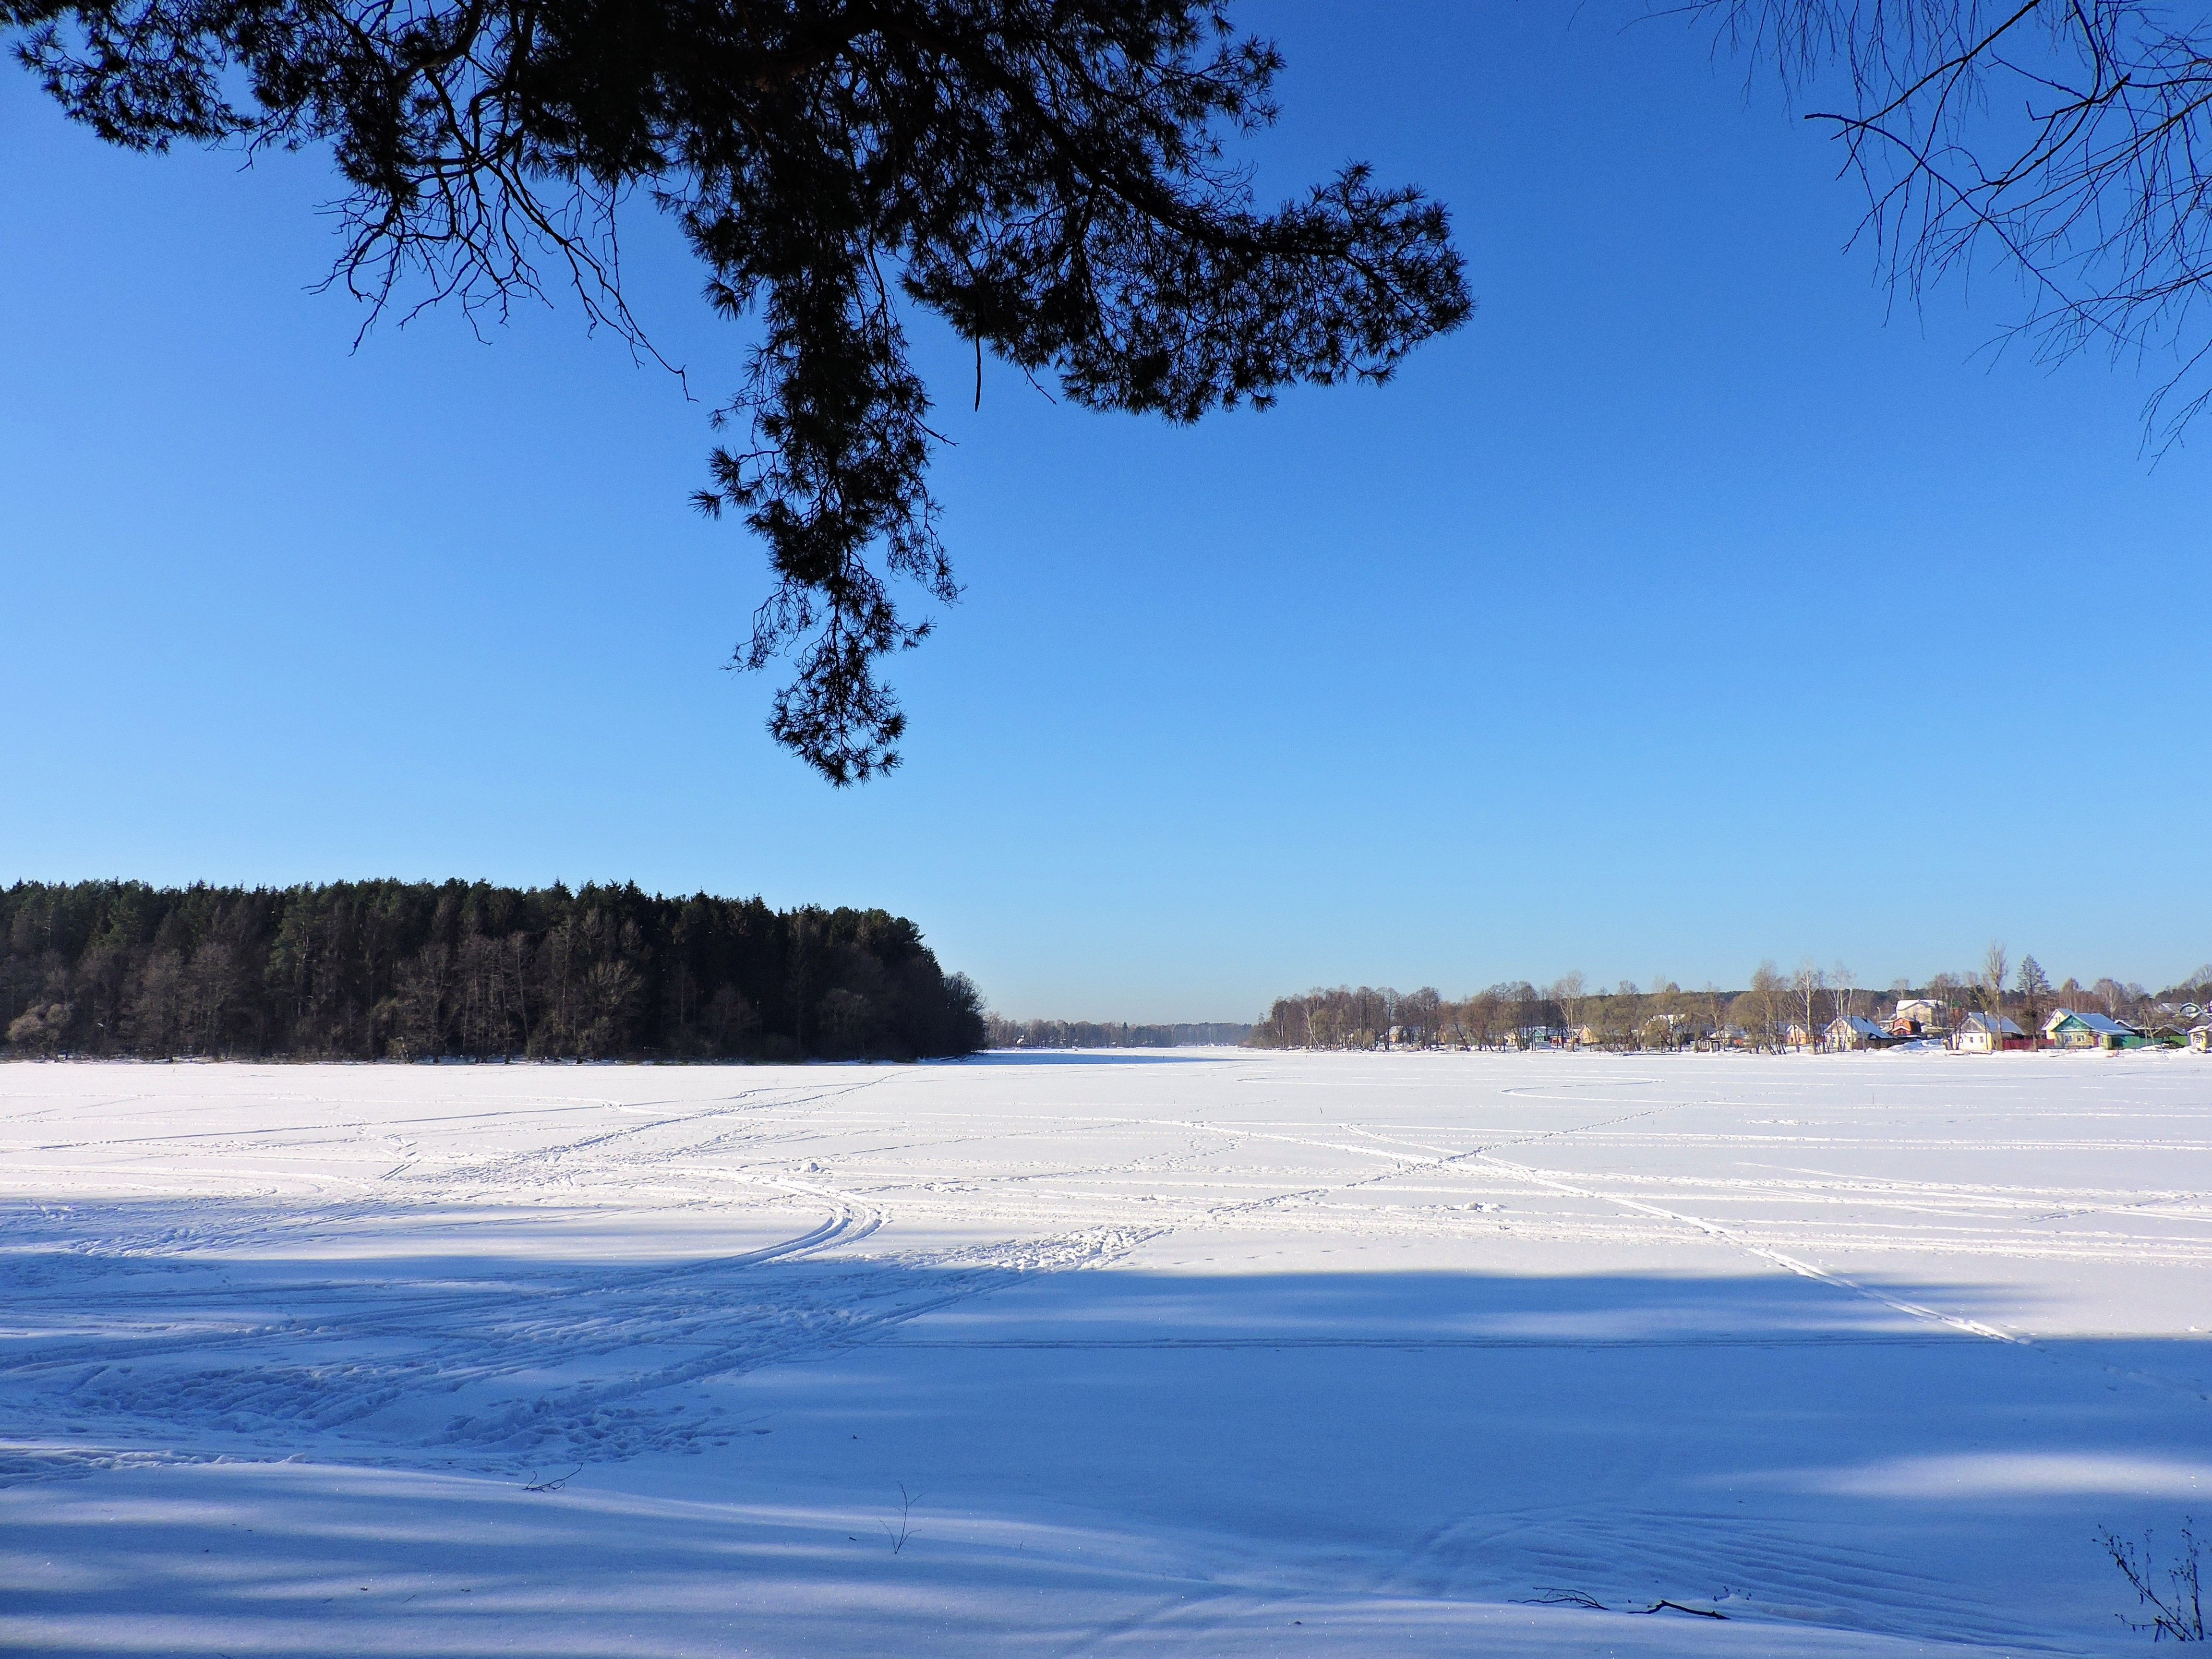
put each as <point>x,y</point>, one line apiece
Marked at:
<point>1919,1017</point>
<point>2068,1030</point>
<point>1847,1032</point>
<point>1989,1034</point>
<point>1537,1037</point>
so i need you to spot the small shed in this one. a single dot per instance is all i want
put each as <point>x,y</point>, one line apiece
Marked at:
<point>1849,1031</point>
<point>1990,1033</point>
<point>2200,1039</point>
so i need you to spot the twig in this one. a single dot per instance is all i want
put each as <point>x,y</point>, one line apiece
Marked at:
<point>1702,1612</point>
<point>2178,1610</point>
<point>1574,1598</point>
<point>907,1501</point>
<point>533,1484</point>
<point>1563,1598</point>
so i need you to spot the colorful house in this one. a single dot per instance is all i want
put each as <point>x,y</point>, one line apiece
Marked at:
<point>2068,1029</point>
<point>1918,1017</point>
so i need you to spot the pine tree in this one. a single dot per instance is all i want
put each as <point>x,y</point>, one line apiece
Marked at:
<point>1049,177</point>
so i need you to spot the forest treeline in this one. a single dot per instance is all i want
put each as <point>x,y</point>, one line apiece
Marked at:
<point>1362,1019</point>
<point>416,970</point>
<point>1087,1034</point>
<point>1775,1009</point>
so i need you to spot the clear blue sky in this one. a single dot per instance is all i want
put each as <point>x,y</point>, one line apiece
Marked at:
<point>1690,606</point>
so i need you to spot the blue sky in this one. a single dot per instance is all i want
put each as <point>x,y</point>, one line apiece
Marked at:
<point>1692,605</point>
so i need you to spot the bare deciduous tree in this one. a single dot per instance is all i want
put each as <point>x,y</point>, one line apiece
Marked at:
<point>1768,989</point>
<point>1808,982</point>
<point>1568,993</point>
<point>1996,963</point>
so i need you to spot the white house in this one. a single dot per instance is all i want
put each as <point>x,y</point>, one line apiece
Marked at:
<point>1988,1034</point>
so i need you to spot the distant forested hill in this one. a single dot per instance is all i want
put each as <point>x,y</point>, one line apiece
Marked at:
<point>409,970</point>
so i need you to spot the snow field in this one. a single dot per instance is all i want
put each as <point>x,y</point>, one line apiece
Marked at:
<point>1187,1351</point>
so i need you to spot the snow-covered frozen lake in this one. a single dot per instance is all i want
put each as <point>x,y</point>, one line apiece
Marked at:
<point>1183,1353</point>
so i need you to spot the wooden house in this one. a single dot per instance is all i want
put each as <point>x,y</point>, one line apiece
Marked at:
<point>1990,1033</point>
<point>2067,1029</point>
<point>1847,1032</point>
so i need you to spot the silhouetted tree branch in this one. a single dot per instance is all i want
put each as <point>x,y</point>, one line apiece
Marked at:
<point>2065,140</point>
<point>1047,175</point>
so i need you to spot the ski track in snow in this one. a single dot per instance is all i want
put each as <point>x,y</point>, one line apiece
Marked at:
<point>546,1359</point>
<point>496,1270</point>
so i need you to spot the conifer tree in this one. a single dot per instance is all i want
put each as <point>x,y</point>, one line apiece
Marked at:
<point>1049,177</point>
